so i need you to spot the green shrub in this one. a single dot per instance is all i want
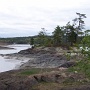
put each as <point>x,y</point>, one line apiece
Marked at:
<point>82,66</point>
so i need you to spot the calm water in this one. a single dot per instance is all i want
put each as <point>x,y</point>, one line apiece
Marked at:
<point>9,64</point>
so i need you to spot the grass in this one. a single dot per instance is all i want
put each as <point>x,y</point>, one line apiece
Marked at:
<point>35,71</point>
<point>29,72</point>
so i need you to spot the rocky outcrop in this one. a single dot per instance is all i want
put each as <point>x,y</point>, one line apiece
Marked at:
<point>48,57</point>
<point>9,81</point>
<point>68,64</point>
<point>38,51</point>
<point>45,61</point>
<point>13,80</point>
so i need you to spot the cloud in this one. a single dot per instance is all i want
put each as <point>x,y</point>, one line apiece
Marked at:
<point>27,17</point>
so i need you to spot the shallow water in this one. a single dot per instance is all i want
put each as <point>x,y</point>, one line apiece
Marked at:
<point>17,48</point>
<point>9,64</point>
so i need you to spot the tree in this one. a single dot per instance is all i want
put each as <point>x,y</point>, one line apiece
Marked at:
<point>43,38</point>
<point>57,36</point>
<point>70,33</point>
<point>32,41</point>
<point>79,22</point>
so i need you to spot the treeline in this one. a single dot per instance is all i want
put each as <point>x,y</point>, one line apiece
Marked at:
<point>16,40</point>
<point>69,35</point>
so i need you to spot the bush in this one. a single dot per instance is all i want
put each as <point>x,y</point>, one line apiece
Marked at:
<point>82,66</point>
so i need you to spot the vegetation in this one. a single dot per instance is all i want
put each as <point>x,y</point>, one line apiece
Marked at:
<point>32,41</point>
<point>36,71</point>
<point>83,66</point>
<point>16,40</point>
<point>42,36</point>
<point>43,39</point>
<point>69,34</point>
<point>57,36</point>
<point>30,72</point>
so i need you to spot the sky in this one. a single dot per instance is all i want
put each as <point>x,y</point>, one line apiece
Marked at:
<point>26,17</point>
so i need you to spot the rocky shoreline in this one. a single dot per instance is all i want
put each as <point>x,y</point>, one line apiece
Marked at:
<point>46,69</point>
<point>41,58</point>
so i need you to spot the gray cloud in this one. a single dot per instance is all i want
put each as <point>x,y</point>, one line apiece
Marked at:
<point>27,18</point>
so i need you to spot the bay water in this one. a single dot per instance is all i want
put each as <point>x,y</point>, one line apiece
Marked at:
<point>9,64</point>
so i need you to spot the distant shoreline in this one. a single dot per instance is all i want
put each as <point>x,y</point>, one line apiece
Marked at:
<point>4,47</point>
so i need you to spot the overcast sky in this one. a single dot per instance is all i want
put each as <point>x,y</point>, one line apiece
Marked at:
<point>27,17</point>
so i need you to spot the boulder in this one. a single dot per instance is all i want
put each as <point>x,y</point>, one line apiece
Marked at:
<point>68,64</point>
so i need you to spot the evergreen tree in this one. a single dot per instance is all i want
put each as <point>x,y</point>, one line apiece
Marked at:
<point>32,41</point>
<point>71,35</point>
<point>57,36</point>
<point>42,37</point>
<point>79,22</point>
